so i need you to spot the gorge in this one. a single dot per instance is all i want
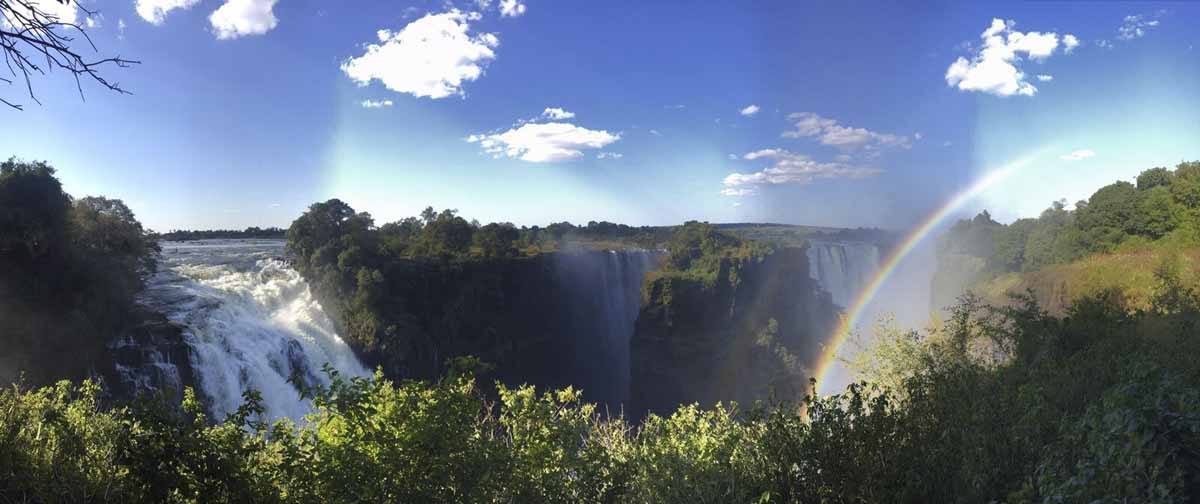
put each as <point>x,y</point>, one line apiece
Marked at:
<point>236,317</point>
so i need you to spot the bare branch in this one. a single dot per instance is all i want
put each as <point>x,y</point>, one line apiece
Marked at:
<point>26,28</point>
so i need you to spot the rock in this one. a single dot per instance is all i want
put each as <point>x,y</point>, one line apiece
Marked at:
<point>704,343</point>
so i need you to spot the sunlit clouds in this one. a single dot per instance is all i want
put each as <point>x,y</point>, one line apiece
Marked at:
<point>431,57</point>
<point>155,11</point>
<point>239,18</point>
<point>830,132</point>
<point>786,167</point>
<point>51,10</point>
<point>995,68</point>
<point>545,142</point>
<point>1136,25</point>
<point>511,8</point>
<point>557,113</point>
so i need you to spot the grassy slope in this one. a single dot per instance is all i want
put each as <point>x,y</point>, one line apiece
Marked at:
<point>1130,271</point>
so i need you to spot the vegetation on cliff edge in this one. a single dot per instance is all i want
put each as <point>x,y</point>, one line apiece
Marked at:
<point>1000,404</point>
<point>69,269</point>
<point>1115,238</point>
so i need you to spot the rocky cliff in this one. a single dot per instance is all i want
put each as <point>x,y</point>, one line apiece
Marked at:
<point>754,331</point>
<point>550,320</point>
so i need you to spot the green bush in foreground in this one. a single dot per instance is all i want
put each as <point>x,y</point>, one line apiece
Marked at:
<point>1004,404</point>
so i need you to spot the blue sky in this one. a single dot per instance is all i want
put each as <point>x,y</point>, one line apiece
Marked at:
<point>246,111</point>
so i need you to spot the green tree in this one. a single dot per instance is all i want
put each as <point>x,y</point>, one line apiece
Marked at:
<point>319,235</point>
<point>33,209</point>
<point>496,240</point>
<point>1009,245</point>
<point>1154,177</point>
<point>1154,218</point>
<point>1110,214</point>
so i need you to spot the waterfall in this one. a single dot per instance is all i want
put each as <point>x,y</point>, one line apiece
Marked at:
<point>603,297</point>
<point>250,321</point>
<point>842,268</point>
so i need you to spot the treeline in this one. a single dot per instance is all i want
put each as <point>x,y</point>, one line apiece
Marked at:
<point>391,288</point>
<point>69,269</point>
<point>698,250</point>
<point>223,234</point>
<point>997,405</point>
<point>1162,208</point>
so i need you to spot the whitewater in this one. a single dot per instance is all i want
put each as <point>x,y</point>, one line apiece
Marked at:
<point>251,323</point>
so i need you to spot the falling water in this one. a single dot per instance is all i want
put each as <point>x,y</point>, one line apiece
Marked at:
<point>604,297</point>
<point>843,268</point>
<point>250,321</point>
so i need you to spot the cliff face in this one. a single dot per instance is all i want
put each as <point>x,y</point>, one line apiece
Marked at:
<point>149,356</point>
<point>755,331</point>
<point>551,320</point>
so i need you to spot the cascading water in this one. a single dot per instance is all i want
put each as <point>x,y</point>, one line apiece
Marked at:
<point>604,290</point>
<point>250,321</point>
<point>843,268</point>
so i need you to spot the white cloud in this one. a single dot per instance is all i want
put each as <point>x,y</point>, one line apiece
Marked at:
<point>609,155</point>
<point>1078,155</point>
<point>511,8</point>
<point>483,4</point>
<point>238,18</point>
<point>1069,43</point>
<point>544,142</point>
<point>994,69</point>
<point>375,103</point>
<point>46,10</point>
<point>750,110</point>
<point>788,168</point>
<point>430,57</point>
<point>121,28</point>
<point>94,22</point>
<point>557,113</point>
<point>829,132</point>
<point>918,135</point>
<point>1104,44</point>
<point>155,11</point>
<point>1135,26</point>
<point>674,107</point>
<point>1045,77</point>
<point>655,132</point>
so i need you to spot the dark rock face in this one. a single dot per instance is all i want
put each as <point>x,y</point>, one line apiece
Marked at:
<point>708,343</point>
<point>149,356</point>
<point>554,320</point>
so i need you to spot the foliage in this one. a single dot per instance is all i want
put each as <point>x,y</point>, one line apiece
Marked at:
<point>987,407</point>
<point>68,272</point>
<point>699,250</point>
<point>1163,204</point>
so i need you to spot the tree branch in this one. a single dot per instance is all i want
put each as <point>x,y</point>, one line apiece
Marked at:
<point>27,29</point>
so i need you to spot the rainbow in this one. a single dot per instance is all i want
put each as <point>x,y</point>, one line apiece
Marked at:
<point>850,319</point>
